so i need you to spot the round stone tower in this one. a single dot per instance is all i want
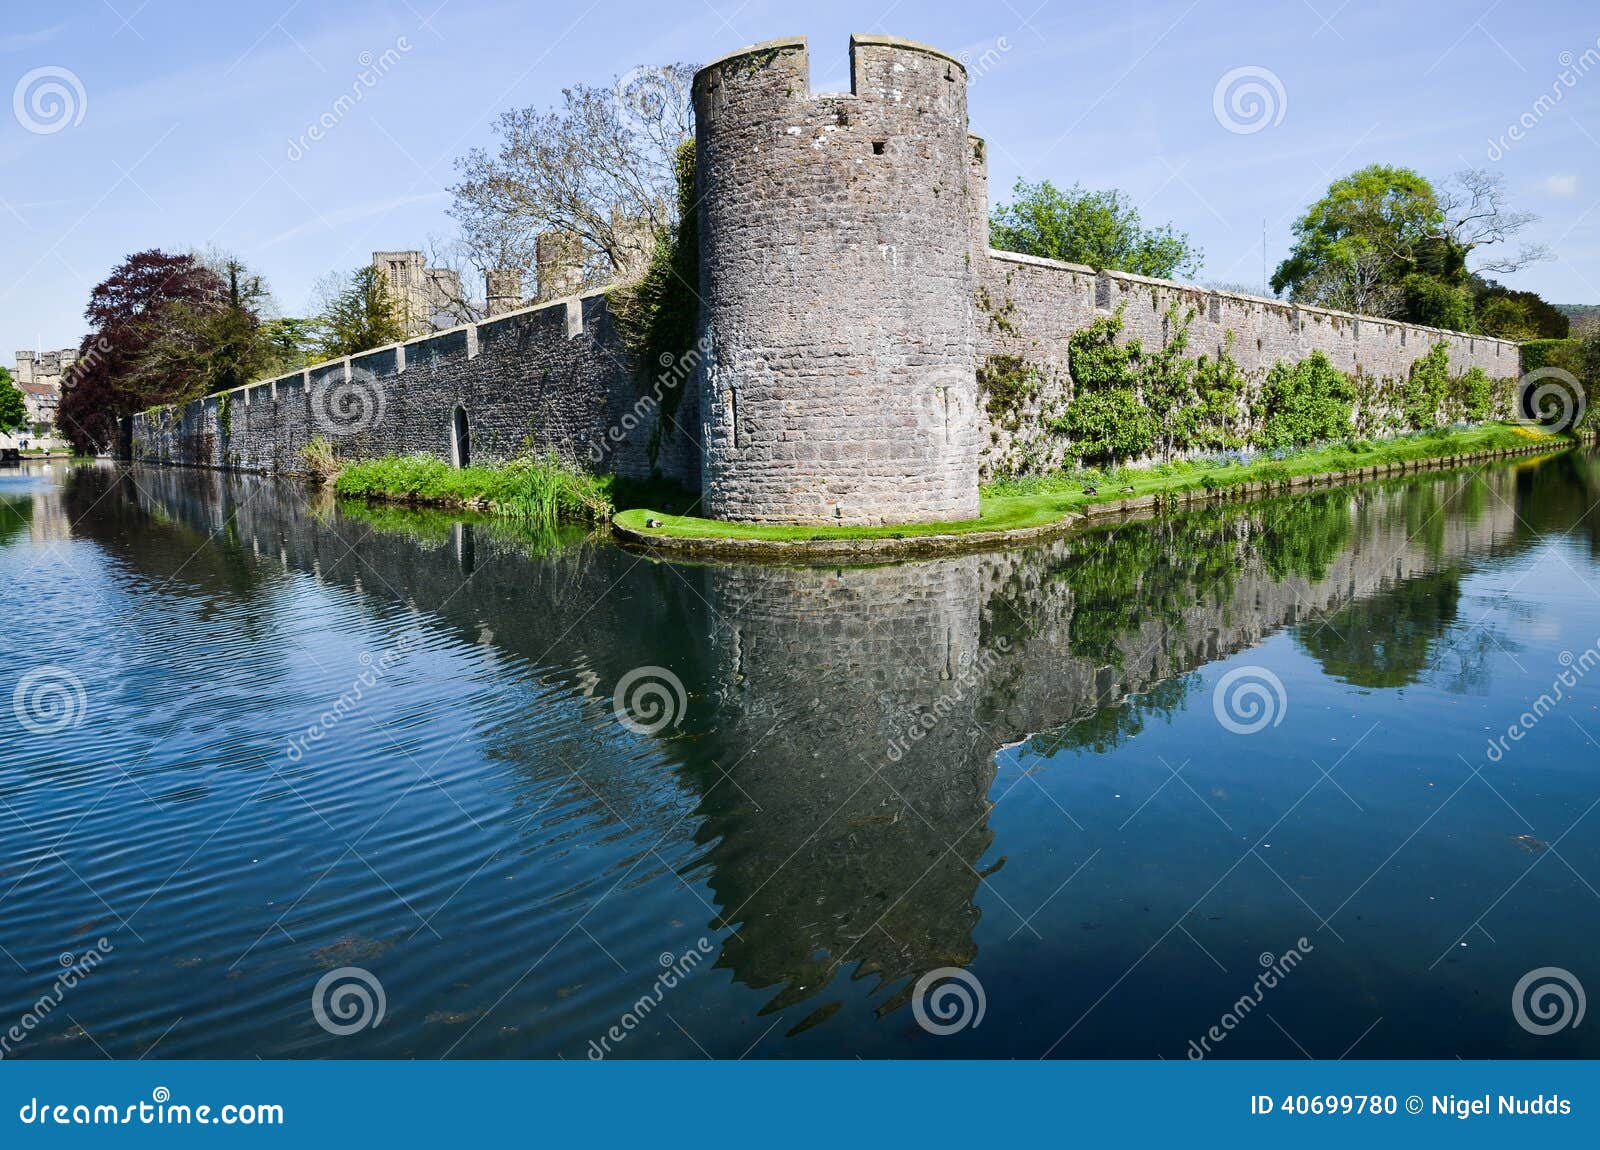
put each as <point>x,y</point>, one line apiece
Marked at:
<point>837,374</point>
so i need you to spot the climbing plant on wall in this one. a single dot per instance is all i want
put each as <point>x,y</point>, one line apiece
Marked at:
<point>1305,402</point>
<point>657,314</point>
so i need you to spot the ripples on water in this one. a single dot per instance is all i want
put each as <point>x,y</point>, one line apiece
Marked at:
<point>306,737</point>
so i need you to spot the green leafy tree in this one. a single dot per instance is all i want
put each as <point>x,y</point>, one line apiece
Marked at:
<point>290,342</point>
<point>1102,229</point>
<point>1305,402</point>
<point>1385,240</point>
<point>1219,383</point>
<point>359,315</point>
<point>13,411</point>
<point>1106,420</point>
<point>1380,216</point>
<point>1426,388</point>
<point>1166,386</point>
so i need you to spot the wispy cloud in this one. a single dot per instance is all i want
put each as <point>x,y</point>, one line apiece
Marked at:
<point>17,41</point>
<point>331,221</point>
<point>1561,185</point>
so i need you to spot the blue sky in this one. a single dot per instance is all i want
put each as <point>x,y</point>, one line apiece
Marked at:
<point>190,112</point>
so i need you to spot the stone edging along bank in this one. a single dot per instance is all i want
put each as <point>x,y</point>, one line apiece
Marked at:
<point>950,543</point>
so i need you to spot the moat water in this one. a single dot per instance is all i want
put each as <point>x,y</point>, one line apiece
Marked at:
<point>1244,772</point>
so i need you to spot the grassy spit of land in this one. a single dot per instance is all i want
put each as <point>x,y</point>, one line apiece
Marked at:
<point>1038,501</point>
<point>539,492</point>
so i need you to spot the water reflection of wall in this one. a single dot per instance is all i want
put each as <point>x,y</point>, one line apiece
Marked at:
<point>831,838</point>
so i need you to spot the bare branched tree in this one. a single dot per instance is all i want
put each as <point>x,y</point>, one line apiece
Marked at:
<point>459,298</point>
<point>596,168</point>
<point>1358,284</point>
<point>1476,215</point>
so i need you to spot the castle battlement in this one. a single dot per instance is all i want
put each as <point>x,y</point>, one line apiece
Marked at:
<point>838,381</point>
<point>848,299</point>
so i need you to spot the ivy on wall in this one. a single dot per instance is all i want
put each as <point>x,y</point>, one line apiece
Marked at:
<point>657,315</point>
<point>1130,402</point>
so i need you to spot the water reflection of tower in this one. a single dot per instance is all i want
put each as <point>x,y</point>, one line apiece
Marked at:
<point>831,850</point>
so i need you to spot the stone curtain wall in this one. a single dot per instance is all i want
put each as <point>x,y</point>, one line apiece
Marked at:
<point>553,379</point>
<point>839,384</point>
<point>1030,308</point>
<point>849,298</point>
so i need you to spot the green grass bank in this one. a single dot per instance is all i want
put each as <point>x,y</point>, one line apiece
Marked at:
<point>1038,501</point>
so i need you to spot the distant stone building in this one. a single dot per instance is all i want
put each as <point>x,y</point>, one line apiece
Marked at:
<point>427,299</point>
<point>39,376</point>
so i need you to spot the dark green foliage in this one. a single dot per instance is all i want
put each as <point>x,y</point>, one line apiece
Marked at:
<point>1100,229</point>
<point>1305,402</point>
<point>361,316</point>
<point>13,412</point>
<point>657,315</point>
<point>1435,303</point>
<point>1006,383</point>
<point>1518,315</point>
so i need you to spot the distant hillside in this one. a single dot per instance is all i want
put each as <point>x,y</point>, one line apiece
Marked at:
<point>1585,317</point>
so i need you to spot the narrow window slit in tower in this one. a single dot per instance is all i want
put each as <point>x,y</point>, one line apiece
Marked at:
<point>878,146</point>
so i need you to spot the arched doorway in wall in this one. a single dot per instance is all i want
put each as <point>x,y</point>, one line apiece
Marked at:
<point>460,438</point>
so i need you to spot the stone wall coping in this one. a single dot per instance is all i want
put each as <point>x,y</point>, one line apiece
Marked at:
<point>870,39</point>
<point>785,43</point>
<point>414,341</point>
<point>1243,297</point>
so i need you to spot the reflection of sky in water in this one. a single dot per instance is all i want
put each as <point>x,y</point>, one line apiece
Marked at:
<point>479,831</point>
